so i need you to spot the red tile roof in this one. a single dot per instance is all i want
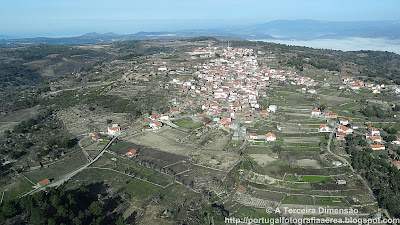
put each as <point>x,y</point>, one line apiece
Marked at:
<point>43,182</point>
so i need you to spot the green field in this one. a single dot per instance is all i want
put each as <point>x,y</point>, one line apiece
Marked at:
<point>65,165</point>
<point>348,105</point>
<point>247,211</point>
<point>298,200</point>
<point>314,125</point>
<point>316,179</point>
<point>302,148</point>
<point>302,186</point>
<point>118,146</point>
<point>140,189</point>
<point>188,124</point>
<point>18,187</point>
<point>331,201</point>
<point>308,144</point>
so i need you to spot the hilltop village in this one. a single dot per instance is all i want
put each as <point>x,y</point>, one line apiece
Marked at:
<point>196,131</point>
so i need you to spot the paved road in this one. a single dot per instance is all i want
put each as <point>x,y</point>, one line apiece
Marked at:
<point>57,182</point>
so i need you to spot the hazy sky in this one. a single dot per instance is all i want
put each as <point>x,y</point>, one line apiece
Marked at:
<point>71,17</point>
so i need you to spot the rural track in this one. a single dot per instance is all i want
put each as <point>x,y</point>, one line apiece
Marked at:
<point>68,176</point>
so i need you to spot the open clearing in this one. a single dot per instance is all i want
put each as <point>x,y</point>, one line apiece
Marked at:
<point>309,163</point>
<point>63,166</point>
<point>153,140</point>
<point>262,159</point>
<point>218,160</point>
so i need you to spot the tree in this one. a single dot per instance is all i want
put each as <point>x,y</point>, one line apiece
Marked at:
<point>277,148</point>
<point>120,221</point>
<point>8,209</point>
<point>96,208</point>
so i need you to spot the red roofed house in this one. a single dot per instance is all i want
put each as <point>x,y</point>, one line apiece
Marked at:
<point>157,125</point>
<point>270,137</point>
<point>376,139</point>
<point>324,129</point>
<point>340,136</point>
<point>95,136</point>
<point>343,129</point>
<point>114,130</point>
<point>396,164</point>
<point>344,122</point>
<point>43,182</point>
<point>241,189</point>
<point>131,153</point>
<point>315,112</point>
<point>253,136</point>
<point>378,147</point>
<point>153,117</point>
<point>330,115</point>
<point>374,131</point>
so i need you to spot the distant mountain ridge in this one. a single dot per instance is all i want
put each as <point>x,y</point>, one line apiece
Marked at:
<point>314,29</point>
<point>277,29</point>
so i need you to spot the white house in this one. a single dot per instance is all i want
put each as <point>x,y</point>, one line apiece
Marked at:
<point>156,125</point>
<point>324,129</point>
<point>164,117</point>
<point>337,163</point>
<point>272,108</point>
<point>340,182</point>
<point>270,137</point>
<point>253,136</point>
<point>114,130</point>
<point>344,129</point>
<point>344,122</point>
<point>162,68</point>
<point>315,112</point>
<point>131,153</point>
<point>374,131</point>
<point>378,147</point>
<point>375,139</point>
<point>396,142</point>
<point>312,91</point>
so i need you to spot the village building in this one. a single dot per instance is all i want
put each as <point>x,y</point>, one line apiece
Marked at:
<point>396,164</point>
<point>132,153</point>
<point>375,139</point>
<point>270,137</point>
<point>344,122</point>
<point>331,115</point>
<point>43,182</point>
<point>324,129</point>
<point>315,112</point>
<point>337,163</point>
<point>341,182</point>
<point>114,130</point>
<point>378,147</point>
<point>340,136</point>
<point>396,142</point>
<point>374,131</point>
<point>253,136</point>
<point>344,129</point>
<point>156,125</point>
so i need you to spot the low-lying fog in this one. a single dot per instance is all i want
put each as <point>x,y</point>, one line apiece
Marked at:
<point>347,44</point>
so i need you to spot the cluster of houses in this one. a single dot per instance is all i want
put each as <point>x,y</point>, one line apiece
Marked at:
<point>156,120</point>
<point>267,137</point>
<point>373,134</point>
<point>352,84</point>
<point>227,89</point>
<point>203,52</point>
